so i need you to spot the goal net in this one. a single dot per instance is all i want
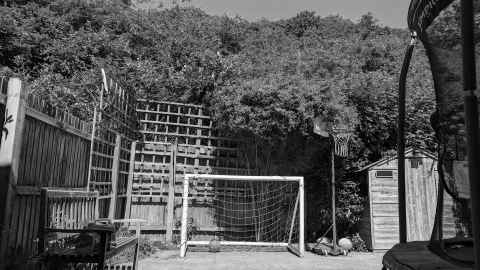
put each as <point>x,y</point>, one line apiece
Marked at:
<point>254,212</point>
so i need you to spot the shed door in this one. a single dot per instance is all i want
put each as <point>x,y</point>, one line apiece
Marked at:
<point>421,200</point>
<point>384,207</point>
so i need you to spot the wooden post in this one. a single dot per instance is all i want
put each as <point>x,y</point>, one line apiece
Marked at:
<point>42,220</point>
<point>301,237</point>
<point>334,220</point>
<point>97,206</point>
<point>137,246</point>
<point>10,147</point>
<point>103,251</point>
<point>130,179</point>
<point>115,171</point>
<point>183,236</point>
<point>171,195</point>
<point>92,143</point>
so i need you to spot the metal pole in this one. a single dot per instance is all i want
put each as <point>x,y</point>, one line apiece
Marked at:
<point>402,210</point>
<point>301,202</point>
<point>183,231</point>
<point>334,223</point>
<point>471,120</point>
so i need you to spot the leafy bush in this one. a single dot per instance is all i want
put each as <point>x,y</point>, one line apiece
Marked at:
<point>146,248</point>
<point>263,81</point>
<point>350,205</point>
<point>191,229</point>
<point>349,209</point>
<point>266,79</point>
<point>359,244</point>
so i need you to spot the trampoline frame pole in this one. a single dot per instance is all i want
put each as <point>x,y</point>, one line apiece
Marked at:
<point>402,206</point>
<point>471,120</point>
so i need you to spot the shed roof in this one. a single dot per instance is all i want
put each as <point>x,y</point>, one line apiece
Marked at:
<point>390,158</point>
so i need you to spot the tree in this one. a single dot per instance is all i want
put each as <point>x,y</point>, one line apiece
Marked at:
<point>263,81</point>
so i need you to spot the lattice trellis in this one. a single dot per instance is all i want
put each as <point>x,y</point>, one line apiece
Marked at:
<point>114,130</point>
<point>199,148</point>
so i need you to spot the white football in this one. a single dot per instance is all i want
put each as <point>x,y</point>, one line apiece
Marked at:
<point>345,243</point>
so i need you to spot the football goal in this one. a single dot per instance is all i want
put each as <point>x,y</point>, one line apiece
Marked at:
<point>235,211</point>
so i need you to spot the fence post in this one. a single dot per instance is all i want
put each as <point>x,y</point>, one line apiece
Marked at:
<point>10,146</point>
<point>115,172</point>
<point>131,170</point>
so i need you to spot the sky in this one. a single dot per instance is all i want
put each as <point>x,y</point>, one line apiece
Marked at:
<point>389,12</point>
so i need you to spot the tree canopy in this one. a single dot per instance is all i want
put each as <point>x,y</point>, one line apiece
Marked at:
<point>264,81</point>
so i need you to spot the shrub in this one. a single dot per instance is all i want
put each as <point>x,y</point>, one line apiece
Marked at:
<point>146,248</point>
<point>359,244</point>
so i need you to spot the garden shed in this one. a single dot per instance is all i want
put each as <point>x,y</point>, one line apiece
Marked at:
<point>379,225</point>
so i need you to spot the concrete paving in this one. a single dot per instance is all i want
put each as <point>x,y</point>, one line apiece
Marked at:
<point>170,260</point>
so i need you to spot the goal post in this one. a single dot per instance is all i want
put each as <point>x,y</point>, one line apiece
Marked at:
<point>243,211</point>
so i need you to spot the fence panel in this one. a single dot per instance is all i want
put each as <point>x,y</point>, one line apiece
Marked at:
<point>23,227</point>
<point>176,139</point>
<point>52,156</point>
<point>55,151</point>
<point>114,130</point>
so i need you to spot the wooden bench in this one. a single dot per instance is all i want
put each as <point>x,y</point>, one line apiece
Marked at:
<point>70,231</point>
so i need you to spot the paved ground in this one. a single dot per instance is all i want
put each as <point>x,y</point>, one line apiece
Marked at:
<point>169,260</point>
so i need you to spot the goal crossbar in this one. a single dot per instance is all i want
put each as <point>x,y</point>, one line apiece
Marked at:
<point>243,178</point>
<point>236,243</point>
<point>299,205</point>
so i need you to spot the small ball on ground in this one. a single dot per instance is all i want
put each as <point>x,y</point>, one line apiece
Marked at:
<point>324,240</point>
<point>345,243</point>
<point>214,246</point>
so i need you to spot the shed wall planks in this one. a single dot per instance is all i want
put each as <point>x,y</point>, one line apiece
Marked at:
<point>421,191</point>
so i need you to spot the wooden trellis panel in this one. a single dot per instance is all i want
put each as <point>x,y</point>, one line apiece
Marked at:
<point>102,162</point>
<point>176,139</point>
<point>152,170</point>
<point>200,149</point>
<point>114,130</point>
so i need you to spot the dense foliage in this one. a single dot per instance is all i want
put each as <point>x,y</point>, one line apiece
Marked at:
<point>263,81</point>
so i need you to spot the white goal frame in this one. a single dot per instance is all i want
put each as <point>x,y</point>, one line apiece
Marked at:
<point>299,203</point>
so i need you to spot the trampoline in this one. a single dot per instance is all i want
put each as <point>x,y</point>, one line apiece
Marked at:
<point>448,30</point>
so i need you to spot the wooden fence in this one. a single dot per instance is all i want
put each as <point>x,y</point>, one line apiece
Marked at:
<point>176,139</point>
<point>42,146</point>
<point>114,131</point>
